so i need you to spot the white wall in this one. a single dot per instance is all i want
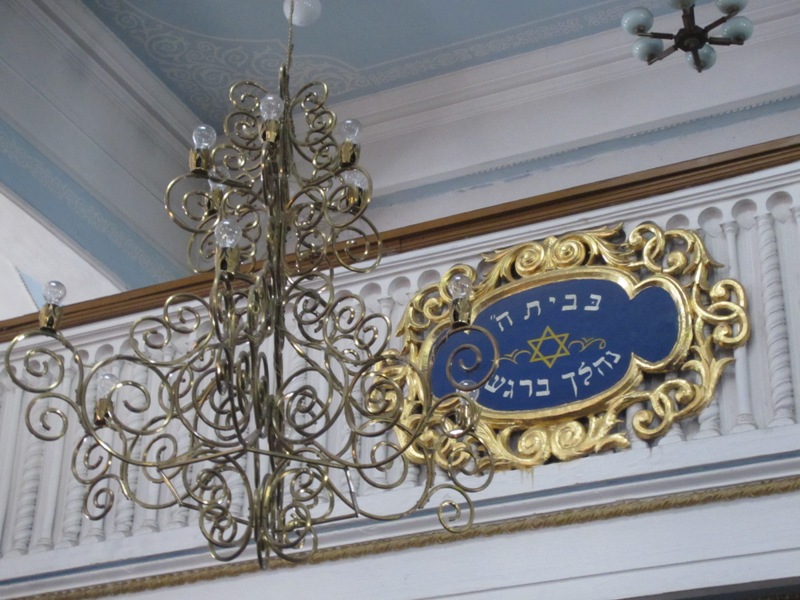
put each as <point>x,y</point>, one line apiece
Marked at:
<point>29,247</point>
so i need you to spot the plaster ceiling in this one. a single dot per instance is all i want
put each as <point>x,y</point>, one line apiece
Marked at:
<point>98,99</point>
<point>358,47</point>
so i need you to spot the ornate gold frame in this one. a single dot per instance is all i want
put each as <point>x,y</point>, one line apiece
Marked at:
<point>712,320</point>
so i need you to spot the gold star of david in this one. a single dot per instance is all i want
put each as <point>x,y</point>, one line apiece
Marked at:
<point>536,347</point>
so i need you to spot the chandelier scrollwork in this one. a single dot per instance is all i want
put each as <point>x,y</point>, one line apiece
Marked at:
<point>274,405</point>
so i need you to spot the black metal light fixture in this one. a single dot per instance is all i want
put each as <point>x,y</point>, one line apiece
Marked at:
<point>692,39</point>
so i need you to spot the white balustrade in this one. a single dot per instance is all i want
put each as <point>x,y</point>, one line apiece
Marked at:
<point>749,224</point>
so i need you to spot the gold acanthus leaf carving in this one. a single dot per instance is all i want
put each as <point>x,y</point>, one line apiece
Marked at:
<point>715,317</point>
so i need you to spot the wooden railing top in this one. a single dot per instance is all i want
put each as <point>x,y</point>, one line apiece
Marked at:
<point>492,219</point>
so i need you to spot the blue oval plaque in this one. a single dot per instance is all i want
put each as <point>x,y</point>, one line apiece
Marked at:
<point>557,343</point>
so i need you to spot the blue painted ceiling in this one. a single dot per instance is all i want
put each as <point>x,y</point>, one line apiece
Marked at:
<point>359,47</point>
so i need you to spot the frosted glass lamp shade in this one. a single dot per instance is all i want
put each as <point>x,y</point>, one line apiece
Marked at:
<point>54,292</point>
<point>647,48</point>
<point>305,11</point>
<point>708,56</point>
<point>204,137</point>
<point>227,233</point>
<point>637,20</point>
<point>730,6</point>
<point>739,29</point>
<point>271,107</point>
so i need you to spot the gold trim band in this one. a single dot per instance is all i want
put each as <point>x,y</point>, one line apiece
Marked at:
<point>614,510</point>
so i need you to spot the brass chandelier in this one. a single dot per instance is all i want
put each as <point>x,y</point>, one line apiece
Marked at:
<point>274,405</point>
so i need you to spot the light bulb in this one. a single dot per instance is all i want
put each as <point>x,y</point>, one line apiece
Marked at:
<point>227,233</point>
<point>459,286</point>
<point>738,29</point>
<point>216,186</point>
<point>305,11</point>
<point>106,383</point>
<point>271,107</point>
<point>350,130</point>
<point>204,137</point>
<point>54,292</point>
<point>637,20</point>
<point>681,4</point>
<point>647,48</point>
<point>470,391</point>
<point>355,179</point>
<point>730,6</point>
<point>707,54</point>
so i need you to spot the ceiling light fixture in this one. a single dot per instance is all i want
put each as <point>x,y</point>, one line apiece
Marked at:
<point>274,405</point>
<point>692,39</point>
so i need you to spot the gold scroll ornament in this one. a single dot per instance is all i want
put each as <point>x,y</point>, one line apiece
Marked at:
<point>713,320</point>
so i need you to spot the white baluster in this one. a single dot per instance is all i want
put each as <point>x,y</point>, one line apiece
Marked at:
<point>145,520</point>
<point>791,289</point>
<point>123,515</point>
<point>744,412</point>
<point>93,530</point>
<point>708,421</point>
<point>775,319</point>
<point>30,479</point>
<point>27,493</point>
<point>12,430</point>
<point>400,292</point>
<point>46,507</point>
<point>176,516</point>
<point>386,305</point>
<point>73,517</point>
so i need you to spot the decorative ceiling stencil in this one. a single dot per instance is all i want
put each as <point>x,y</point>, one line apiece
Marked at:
<point>200,47</point>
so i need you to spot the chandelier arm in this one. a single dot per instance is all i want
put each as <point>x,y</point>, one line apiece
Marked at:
<point>38,361</point>
<point>657,35</point>
<point>662,55</point>
<point>723,41</point>
<point>723,19</point>
<point>688,19</point>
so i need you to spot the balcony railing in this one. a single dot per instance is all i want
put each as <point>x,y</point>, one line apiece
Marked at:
<point>747,209</point>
